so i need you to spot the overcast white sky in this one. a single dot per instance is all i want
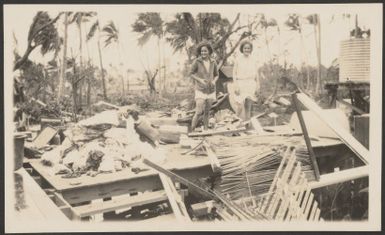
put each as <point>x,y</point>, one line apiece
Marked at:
<point>19,18</point>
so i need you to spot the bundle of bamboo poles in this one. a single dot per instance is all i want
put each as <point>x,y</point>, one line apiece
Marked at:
<point>249,163</point>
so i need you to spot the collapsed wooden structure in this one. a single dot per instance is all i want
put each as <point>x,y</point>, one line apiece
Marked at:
<point>273,183</point>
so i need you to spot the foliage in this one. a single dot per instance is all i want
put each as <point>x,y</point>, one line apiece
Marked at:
<point>148,24</point>
<point>111,34</point>
<point>185,31</point>
<point>42,32</point>
<point>92,31</point>
<point>293,22</point>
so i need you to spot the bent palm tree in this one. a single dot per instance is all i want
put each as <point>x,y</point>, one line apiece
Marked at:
<point>42,32</point>
<point>148,25</point>
<point>112,36</point>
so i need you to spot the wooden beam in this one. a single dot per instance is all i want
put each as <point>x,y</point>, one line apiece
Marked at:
<point>37,196</point>
<point>112,205</point>
<point>210,132</point>
<point>359,111</point>
<point>44,137</point>
<point>340,176</point>
<point>178,178</point>
<point>177,206</point>
<point>207,192</point>
<point>307,138</point>
<point>215,164</point>
<point>345,136</point>
<point>203,208</point>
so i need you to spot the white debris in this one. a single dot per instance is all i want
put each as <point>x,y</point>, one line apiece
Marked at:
<point>105,117</point>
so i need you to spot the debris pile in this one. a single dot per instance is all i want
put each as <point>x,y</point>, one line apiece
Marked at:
<point>98,145</point>
<point>249,163</point>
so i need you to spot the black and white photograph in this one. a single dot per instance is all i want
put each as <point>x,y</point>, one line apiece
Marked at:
<point>218,117</point>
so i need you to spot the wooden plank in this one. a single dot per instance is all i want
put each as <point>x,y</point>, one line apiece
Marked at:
<point>121,203</point>
<point>341,176</point>
<point>266,200</point>
<point>345,136</point>
<point>178,178</point>
<point>44,137</point>
<point>308,206</point>
<point>45,205</point>
<point>302,191</point>
<point>207,192</point>
<point>202,208</point>
<point>317,215</point>
<point>186,165</point>
<point>127,186</point>
<point>210,132</point>
<point>65,207</point>
<point>173,199</point>
<point>313,211</point>
<point>291,194</point>
<point>282,186</point>
<point>306,137</point>
<point>304,203</point>
<point>215,164</point>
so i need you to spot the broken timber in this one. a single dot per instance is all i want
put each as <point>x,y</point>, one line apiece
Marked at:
<point>307,138</point>
<point>345,136</point>
<point>341,176</point>
<point>242,215</point>
<point>289,197</point>
<point>213,158</point>
<point>209,133</point>
<point>177,205</point>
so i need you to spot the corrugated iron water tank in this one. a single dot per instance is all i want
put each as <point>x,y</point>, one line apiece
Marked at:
<point>355,59</point>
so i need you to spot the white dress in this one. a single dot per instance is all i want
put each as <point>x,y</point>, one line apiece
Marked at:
<point>245,75</point>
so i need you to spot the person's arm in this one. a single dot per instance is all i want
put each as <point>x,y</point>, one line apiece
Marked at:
<point>193,71</point>
<point>216,73</point>
<point>235,78</point>
<point>257,80</point>
<point>235,71</point>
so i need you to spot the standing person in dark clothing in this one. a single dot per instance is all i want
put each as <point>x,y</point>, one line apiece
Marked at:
<point>204,72</point>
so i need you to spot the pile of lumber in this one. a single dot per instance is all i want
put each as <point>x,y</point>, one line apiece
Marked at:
<point>249,163</point>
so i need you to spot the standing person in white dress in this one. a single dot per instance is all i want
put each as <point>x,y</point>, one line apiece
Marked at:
<point>245,80</point>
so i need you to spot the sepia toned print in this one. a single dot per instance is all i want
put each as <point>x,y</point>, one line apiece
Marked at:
<point>193,117</point>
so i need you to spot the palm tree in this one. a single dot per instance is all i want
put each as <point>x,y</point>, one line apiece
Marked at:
<point>79,18</point>
<point>112,37</point>
<point>42,32</point>
<point>150,24</point>
<point>83,17</point>
<point>314,19</point>
<point>185,31</point>
<point>95,27</point>
<point>294,23</point>
<point>62,76</point>
<point>264,25</point>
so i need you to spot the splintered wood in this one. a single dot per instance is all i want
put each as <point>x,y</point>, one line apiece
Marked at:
<point>249,163</point>
<point>289,196</point>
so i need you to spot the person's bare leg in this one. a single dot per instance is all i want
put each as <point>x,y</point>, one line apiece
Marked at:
<point>208,103</point>
<point>199,108</point>
<point>248,105</point>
